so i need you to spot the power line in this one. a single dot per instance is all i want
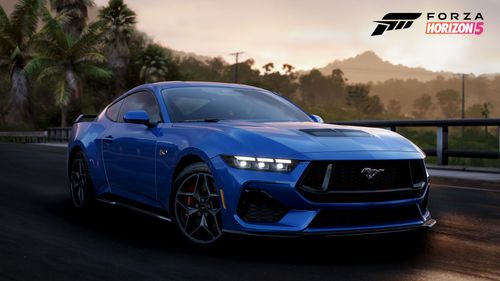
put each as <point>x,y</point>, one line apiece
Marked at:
<point>236,57</point>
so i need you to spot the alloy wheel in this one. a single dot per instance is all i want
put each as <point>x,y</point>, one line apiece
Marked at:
<point>197,208</point>
<point>78,183</point>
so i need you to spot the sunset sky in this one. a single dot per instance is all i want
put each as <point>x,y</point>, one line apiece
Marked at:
<point>313,33</point>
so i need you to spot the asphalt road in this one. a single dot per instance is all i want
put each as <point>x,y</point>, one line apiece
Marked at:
<point>43,238</point>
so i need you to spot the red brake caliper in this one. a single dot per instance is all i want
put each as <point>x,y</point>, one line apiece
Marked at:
<point>189,200</point>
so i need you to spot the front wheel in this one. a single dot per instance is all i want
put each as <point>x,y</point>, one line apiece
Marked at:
<point>80,186</point>
<point>197,205</point>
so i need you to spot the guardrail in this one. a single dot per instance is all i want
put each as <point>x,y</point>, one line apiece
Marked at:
<point>58,134</point>
<point>53,134</point>
<point>24,137</point>
<point>441,151</point>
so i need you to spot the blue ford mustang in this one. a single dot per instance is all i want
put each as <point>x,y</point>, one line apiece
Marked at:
<point>218,158</point>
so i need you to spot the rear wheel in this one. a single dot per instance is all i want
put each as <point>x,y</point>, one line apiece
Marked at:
<point>80,186</point>
<point>197,205</point>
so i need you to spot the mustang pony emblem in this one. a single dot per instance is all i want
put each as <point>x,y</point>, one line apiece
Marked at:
<point>370,173</point>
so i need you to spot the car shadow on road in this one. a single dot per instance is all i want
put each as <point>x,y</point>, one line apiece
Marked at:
<point>149,234</point>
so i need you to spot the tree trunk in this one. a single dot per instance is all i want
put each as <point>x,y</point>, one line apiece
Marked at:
<point>72,83</point>
<point>64,113</point>
<point>19,91</point>
<point>117,56</point>
<point>74,88</point>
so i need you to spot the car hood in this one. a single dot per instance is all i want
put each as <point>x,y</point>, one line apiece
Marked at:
<point>304,138</point>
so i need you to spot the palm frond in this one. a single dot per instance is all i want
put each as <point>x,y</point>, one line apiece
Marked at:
<point>89,40</point>
<point>25,18</point>
<point>37,64</point>
<point>53,73</point>
<point>48,48</point>
<point>6,43</point>
<point>92,71</point>
<point>93,58</point>
<point>53,28</point>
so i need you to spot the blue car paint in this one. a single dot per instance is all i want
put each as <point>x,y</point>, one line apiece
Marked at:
<point>137,171</point>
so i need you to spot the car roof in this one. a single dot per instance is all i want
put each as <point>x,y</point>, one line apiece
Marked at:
<point>175,84</point>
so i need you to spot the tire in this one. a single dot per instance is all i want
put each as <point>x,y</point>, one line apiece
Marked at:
<point>80,184</point>
<point>196,205</point>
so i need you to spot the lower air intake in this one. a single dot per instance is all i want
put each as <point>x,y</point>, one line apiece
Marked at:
<point>259,207</point>
<point>366,217</point>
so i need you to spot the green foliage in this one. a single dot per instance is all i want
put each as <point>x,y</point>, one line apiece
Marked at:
<point>422,106</point>
<point>76,13</point>
<point>63,61</point>
<point>474,138</point>
<point>394,108</point>
<point>279,83</point>
<point>486,109</point>
<point>119,19</point>
<point>317,89</point>
<point>449,102</point>
<point>16,33</point>
<point>119,22</point>
<point>156,64</point>
<point>363,104</point>
<point>197,70</point>
<point>246,73</point>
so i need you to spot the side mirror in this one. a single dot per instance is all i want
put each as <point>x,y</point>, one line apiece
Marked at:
<point>316,118</point>
<point>137,117</point>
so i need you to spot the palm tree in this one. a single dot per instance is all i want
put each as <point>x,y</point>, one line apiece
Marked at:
<point>119,23</point>
<point>288,68</point>
<point>77,13</point>
<point>16,35</point>
<point>64,61</point>
<point>268,67</point>
<point>154,64</point>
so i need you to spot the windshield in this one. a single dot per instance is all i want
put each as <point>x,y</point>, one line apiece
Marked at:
<point>225,103</point>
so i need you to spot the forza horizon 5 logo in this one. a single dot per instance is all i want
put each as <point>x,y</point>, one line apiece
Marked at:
<point>437,23</point>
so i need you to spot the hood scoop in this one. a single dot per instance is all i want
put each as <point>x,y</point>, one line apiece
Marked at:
<point>335,132</point>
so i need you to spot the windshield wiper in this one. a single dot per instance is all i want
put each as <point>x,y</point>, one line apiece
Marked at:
<point>208,120</point>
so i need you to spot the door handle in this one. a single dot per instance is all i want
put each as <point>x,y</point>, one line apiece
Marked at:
<point>108,138</point>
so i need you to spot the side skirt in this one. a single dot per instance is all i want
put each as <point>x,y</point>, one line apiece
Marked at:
<point>136,207</point>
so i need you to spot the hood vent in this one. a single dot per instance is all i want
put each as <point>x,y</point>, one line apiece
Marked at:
<point>335,133</point>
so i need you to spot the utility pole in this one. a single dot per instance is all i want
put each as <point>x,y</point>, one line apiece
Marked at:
<point>463,101</point>
<point>236,56</point>
<point>463,95</point>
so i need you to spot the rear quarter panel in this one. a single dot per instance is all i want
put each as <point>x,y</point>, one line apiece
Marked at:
<point>85,137</point>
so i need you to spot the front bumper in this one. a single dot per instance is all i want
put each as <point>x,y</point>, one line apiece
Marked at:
<point>302,215</point>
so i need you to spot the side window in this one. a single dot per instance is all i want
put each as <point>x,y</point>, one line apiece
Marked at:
<point>113,111</point>
<point>141,101</point>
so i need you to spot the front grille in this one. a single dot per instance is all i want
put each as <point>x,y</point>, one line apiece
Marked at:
<point>365,217</point>
<point>363,181</point>
<point>258,206</point>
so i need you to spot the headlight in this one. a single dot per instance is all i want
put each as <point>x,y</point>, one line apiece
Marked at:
<point>260,163</point>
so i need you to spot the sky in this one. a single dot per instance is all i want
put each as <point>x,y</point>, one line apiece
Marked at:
<point>312,33</point>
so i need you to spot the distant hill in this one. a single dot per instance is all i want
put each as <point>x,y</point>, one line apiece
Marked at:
<point>368,66</point>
